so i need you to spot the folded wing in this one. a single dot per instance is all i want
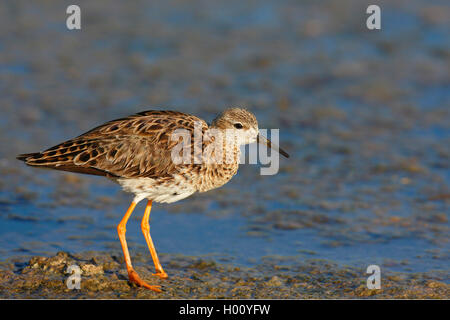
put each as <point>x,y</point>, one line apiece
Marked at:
<point>137,146</point>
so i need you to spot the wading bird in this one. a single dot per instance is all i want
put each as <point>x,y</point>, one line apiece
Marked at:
<point>137,153</point>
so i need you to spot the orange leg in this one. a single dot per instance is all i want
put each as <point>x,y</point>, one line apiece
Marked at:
<point>146,231</point>
<point>132,275</point>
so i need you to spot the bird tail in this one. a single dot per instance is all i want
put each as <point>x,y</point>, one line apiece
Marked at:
<point>27,156</point>
<point>61,158</point>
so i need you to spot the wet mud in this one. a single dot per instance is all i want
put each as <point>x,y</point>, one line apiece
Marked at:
<point>103,276</point>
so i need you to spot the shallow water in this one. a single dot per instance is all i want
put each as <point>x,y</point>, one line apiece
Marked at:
<point>364,115</point>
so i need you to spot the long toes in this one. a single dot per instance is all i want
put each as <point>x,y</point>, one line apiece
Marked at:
<point>134,278</point>
<point>161,275</point>
<point>153,288</point>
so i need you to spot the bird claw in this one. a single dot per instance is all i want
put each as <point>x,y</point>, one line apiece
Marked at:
<point>134,278</point>
<point>161,275</point>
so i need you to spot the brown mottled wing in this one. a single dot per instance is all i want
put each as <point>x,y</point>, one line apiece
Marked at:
<point>137,146</point>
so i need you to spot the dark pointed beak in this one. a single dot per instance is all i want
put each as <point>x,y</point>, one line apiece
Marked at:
<point>264,141</point>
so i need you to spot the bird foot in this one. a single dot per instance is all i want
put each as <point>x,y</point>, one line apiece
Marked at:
<point>134,278</point>
<point>161,275</point>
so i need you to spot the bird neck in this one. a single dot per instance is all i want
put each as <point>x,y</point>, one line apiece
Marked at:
<point>222,145</point>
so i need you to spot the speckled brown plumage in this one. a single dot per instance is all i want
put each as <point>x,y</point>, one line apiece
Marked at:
<point>131,147</point>
<point>139,148</point>
<point>138,153</point>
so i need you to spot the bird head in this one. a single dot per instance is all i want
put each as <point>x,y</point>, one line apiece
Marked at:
<point>244,126</point>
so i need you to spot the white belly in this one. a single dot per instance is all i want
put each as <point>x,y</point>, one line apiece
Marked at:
<point>166,192</point>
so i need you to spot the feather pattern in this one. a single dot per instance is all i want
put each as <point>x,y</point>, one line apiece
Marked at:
<point>136,152</point>
<point>135,146</point>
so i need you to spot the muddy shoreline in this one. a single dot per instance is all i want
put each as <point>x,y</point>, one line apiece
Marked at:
<point>104,277</point>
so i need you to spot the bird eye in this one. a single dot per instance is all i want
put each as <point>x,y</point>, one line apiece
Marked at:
<point>238,125</point>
